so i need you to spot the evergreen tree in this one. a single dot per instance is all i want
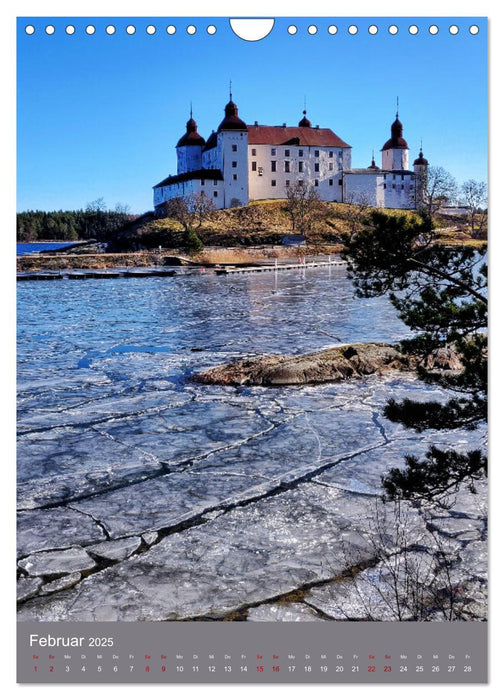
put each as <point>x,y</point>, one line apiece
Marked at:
<point>440,293</point>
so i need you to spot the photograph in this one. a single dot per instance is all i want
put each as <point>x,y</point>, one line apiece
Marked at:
<point>252,321</point>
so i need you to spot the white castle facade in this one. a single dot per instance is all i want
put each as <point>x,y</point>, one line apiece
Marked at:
<point>240,163</point>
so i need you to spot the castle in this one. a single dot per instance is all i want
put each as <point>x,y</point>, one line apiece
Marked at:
<point>244,162</point>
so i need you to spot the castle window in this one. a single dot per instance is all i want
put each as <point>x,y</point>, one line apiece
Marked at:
<point>235,177</point>
<point>340,182</point>
<point>393,187</point>
<point>254,152</point>
<point>234,164</point>
<point>330,166</point>
<point>300,154</point>
<point>287,166</point>
<point>215,194</point>
<point>273,183</point>
<point>317,154</point>
<point>384,185</point>
<point>317,167</point>
<point>287,152</point>
<point>202,181</point>
<point>273,151</point>
<point>316,183</point>
<point>215,182</point>
<point>393,177</point>
<point>273,166</point>
<point>254,165</point>
<point>402,187</point>
<point>234,147</point>
<point>331,154</point>
<point>402,177</point>
<point>287,183</point>
<point>300,183</point>
<point>301,164</point>
<point>331,183</point>
<point>260,171</point>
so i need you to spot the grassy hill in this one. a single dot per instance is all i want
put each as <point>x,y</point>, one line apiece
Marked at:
<point>263,222</point>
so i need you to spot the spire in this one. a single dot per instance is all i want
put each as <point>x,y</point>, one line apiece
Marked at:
<point>304,121</point>
<point>230,90</point>
<point>231,119</point>
<point>191,137</point>
<point>397,108</point>
<point>373,165</point>
<point>421,160</point>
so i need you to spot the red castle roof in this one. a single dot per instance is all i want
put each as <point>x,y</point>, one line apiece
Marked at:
<point>293,136</point>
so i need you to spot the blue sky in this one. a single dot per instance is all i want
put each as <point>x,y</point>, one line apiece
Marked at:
<point>99,116</point>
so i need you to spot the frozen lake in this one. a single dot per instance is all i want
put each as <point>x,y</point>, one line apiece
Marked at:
<point>144,496</point>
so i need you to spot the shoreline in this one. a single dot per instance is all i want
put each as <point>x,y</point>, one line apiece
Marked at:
<point>210,257</point>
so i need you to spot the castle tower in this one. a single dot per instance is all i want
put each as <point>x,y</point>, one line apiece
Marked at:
<point>395,152</point>
<point>304,121</point>
<point>421,168</point>
<point>232,144</point>
<point>189,149</point>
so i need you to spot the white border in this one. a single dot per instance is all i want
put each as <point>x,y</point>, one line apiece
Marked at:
<point>261,8</point>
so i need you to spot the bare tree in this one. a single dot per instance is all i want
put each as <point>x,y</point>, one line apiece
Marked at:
<point>178,209</point>
<point>303,205</point>
<point>189,210</point>
<point>438,189</point>
<point>474,197</point>
<point>201,206</point>
<point>412,575</point>
<point>355,211</point>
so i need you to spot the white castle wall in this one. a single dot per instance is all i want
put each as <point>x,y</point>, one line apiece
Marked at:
<point>364,188</point>
<point>271,168</point>
<point>395,159</point>
<point>233,146</point>
<point>188,159</point>
<point>213,189</point>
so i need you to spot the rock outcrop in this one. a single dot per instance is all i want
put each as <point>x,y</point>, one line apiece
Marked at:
<point>329,365</point>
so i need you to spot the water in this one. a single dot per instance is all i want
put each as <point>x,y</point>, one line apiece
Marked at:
<point>27,248</point>
<point>234,495</point>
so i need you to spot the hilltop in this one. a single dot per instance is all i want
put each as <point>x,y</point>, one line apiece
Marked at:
<point>263,222</point>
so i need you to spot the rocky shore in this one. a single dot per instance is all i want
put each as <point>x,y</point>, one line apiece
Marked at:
<point>329,365</point>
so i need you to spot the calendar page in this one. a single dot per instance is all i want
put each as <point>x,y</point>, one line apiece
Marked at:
<point>252,350</point>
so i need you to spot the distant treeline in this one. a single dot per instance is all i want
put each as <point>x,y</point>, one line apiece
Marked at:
<point>95,221</point>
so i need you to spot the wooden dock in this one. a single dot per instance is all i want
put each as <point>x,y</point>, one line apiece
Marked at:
<point>194,269</point>
<point>235,269</point>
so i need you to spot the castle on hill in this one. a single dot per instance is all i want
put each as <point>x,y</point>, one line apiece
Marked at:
<point>243,162</point>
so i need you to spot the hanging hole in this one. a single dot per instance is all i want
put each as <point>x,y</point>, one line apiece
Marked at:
<point>49,29</point>
<point>110,29</point>
<point>332,29</point>
<point>252,29</point>
<point>433,29</point>
<point>90,29</point>
<point>211,29</point>
<point>130,29</point>
<point>70,29</point>
<point>474,29</point>
<point>373,29</point>
<point>393,29</point>
<point>30,29</point>
<point>150,29</point>
<point>191,29</point>
<point>170,29</point>
<point>413,29</point>
<point>352,29</point>
<point>292,29</point>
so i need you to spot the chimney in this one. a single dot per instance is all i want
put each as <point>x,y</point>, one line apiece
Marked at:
<point>256,123</point>
<point>284,125</point>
